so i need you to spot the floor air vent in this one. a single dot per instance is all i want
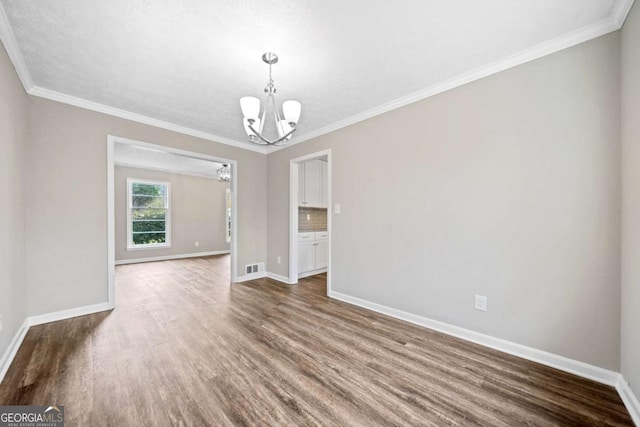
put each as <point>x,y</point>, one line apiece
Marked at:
<point>254,268</point>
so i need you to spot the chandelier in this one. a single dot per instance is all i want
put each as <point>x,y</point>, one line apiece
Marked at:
<point>254,121</point>
<point>224,173</point>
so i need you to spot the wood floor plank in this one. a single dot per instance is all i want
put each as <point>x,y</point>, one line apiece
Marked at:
<point>184,347</point>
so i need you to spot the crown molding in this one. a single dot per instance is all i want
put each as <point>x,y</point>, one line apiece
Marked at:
<point>128,115</point>
<point>613,23</point>
<point>620,12</point>
<point>11,46</point>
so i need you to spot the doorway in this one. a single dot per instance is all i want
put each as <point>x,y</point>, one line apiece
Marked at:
<point>310,217</point>
<point>152,150</point>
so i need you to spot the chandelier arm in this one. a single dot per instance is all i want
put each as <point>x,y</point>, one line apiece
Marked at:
<point>282,123</point>
<point>275,108</point>
<point>264,114</point>
<point>271,142</point>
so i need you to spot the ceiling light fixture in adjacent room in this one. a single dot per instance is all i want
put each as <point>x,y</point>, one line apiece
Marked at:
<point>224,173</point>
<point>254,121</point>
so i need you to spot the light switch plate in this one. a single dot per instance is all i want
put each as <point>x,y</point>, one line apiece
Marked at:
<point>336,208</point>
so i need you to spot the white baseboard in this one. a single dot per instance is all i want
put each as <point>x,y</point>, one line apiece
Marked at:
<point>168,257</point>
<point>279,278</point>
<point>562,363</point>
<point>252,276</point>
<point>312,273</point>
<point>629,398</point>
<point>10,353</point>
<point>67,314</point>
<point>288,281</point>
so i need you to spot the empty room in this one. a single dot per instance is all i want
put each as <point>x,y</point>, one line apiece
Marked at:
<point>319,213</point>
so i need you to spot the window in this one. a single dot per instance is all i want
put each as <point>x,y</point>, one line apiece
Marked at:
<point>228,214</point>
<point>148,214</point>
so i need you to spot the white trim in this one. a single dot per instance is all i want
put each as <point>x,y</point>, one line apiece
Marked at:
<point>135,117</point>
<point>279,278</point>
<point>168,257</point>
<point>294,183</point>
<point>11,351</point>
<point>629,399</point>
<point>294,170</point>
<point>329,219</point>
<point>148,247</point>
<point>111,140</point>
<point>111,224</point>
<point>311,273</point>
<point>613,23</point>
<point>68,314</point>
<point>562,363</point>
<point>167,221</point>
<point>167,170</point>
<point>15,54</point>
<point>620,12</point>
<point>251,276</point>
<point>11,45</point>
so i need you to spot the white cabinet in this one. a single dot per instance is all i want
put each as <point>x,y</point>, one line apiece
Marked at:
<point>312,186</point>
<point>313,252</point>
<point>322,254</point>
<point>306,257</point>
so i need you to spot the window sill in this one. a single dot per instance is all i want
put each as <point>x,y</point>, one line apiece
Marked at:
<point>145,247</point>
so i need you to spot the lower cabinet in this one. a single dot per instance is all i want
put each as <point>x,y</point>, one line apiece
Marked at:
<point>306,256</point>
<point>322,254</point>
<point>313,251</point>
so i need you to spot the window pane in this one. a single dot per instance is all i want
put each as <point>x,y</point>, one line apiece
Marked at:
<point>141,213</point>
<point>149,211</point>
<point>148,238</point>
<point>148,195</point>
<point>147,202</point>
<point>157,190</point>
<point>145,225</point>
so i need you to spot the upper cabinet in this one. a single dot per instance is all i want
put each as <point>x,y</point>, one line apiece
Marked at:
<point>313,184</point>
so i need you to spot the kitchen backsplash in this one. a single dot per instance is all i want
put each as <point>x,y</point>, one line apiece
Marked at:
<point>312,219</point>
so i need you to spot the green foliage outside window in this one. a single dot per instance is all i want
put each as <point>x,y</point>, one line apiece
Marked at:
<point>148,213</point>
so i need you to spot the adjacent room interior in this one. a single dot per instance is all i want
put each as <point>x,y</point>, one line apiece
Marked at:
<point>225,213</point>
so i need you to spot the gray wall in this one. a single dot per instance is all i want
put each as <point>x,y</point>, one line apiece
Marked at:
<point>67,201</point>
<point>507,187</point>
<point>630,350</point>
<point>13,133</point>
<point>198,211</point>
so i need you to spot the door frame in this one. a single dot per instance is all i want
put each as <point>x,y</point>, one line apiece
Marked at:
<point>294,173</point>
<point>111,232</point>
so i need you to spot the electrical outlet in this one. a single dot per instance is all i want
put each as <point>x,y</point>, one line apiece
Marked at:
<point>279,259</point>
<point>196,244</point>
<point>336,208</point>
<point>481,303</point>
<point>308,217</point>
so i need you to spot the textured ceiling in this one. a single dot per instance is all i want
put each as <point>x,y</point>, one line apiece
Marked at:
<point>188,62</point>
<point>148,158</point>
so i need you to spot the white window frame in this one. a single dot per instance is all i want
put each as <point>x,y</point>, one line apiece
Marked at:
<point>228,214</point>
<point>130,245</point>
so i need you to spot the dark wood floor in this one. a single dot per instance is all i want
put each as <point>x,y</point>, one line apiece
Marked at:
<point>184,347</point>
